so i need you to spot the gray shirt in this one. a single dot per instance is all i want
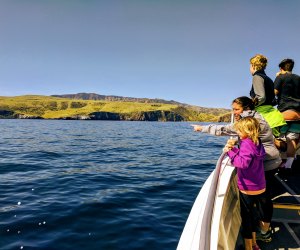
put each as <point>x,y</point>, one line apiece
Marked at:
<point>272,158</point>
<point>259,89</point>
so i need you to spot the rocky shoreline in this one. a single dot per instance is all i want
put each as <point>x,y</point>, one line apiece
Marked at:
<point>159,115</point>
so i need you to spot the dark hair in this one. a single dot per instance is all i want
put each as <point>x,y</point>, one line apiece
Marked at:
<point>245,102</point>
<point>287,64</point>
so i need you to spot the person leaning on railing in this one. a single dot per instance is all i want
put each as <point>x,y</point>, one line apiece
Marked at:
<point>248,159</point>
<point>244,107</point>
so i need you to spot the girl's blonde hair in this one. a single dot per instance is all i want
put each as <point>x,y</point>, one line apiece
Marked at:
<point>250,127</point>
<point>259,62</point>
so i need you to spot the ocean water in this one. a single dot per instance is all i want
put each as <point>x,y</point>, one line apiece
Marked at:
<point>99,184</point>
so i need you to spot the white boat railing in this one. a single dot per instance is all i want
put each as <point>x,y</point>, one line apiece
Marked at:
<point>208,211</point>
<point>209,223</point>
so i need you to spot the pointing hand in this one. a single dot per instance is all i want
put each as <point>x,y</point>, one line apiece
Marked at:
<point>197,128</point>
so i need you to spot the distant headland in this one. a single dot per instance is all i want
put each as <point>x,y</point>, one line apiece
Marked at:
<point>91,106</point>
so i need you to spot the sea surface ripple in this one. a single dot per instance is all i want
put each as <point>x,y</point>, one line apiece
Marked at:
<point>99,184</point>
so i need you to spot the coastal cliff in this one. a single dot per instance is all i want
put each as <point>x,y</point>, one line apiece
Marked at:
<point>126,109</point>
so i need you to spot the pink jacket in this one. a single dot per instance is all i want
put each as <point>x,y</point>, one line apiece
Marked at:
<point>248,160</point>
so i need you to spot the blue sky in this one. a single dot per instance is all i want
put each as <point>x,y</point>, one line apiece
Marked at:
<point>195,52</point>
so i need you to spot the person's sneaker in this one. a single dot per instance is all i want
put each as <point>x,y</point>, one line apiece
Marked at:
<point>256,247</point>
<point>264,237</point>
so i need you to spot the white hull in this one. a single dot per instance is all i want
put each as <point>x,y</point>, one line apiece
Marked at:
<point>214,220</point>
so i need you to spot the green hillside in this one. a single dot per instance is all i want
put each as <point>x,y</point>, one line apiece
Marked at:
<point>49,107</point>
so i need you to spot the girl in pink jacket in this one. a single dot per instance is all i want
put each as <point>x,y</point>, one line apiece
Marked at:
<point>248,159</point>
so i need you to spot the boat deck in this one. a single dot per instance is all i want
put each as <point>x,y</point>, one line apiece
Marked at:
<point>286,217</point>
